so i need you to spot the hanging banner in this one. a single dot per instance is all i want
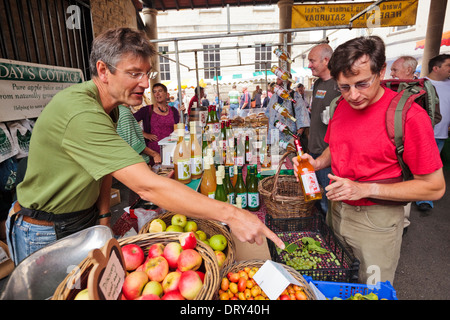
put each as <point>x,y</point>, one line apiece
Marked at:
<point>386,14</point>
<point>26,88</point>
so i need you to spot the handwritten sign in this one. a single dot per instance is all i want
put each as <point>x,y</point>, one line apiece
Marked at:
<point>26,88</point>
<point>108,273</point>
<point>391,13</point>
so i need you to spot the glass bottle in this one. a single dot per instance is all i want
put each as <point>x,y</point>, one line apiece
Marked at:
<point>240,189</point>
<point>234,177</point>
<point>282,55</point>
<point>248,154</point>
<point>240,152</point>
<point>308,179</point>
<point>239,203</point>
<point>280,73</point>
<point>284,128</point>
<point>283,111</point>
<point>214,120</point>
<point>282,93</point>
<point>286,145</point>
<point>220,193</point>
<point>208,185</point>
<point>223,141</point>
<point>252,191</point>
<point>230,189</point>
<point>196,154</point>
<point>182,158</point>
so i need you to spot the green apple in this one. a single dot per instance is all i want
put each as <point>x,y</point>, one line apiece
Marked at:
<point>82,295</point>
<point>174,228</point>
<point>201,235</point>
<point>207,242</point>
<point>218,242</point>
<point>179,220</point>
<point>153,287</point>
<point>190,226</point>
<point>157,225</point>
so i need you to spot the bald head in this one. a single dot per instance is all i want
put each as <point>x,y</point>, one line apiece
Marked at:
<point>404,67</point>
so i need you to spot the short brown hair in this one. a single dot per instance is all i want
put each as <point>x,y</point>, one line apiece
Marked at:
<point>345,55</point>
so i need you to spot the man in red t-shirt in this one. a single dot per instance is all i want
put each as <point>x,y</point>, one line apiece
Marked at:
<point>367,188</point>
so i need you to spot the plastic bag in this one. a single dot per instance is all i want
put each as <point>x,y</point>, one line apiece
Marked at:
<point>144,216</point>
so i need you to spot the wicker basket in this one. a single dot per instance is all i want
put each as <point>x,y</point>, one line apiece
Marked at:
<point>80,275</point>
<point>283,195</point>
<point>209,227</point>
<point>258,263</point>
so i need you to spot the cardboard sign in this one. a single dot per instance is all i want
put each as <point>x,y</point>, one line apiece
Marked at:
<point>108,273</point>
<point>273,278</point>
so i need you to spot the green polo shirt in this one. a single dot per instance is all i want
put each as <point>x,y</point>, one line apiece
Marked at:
<point>74,144</point>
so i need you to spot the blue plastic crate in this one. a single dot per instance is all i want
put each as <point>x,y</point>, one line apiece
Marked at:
<point>383,290</point>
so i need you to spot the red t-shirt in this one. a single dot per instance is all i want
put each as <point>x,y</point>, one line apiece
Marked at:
<point>362,151</point>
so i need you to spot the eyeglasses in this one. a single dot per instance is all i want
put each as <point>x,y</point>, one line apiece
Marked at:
<point>137,75</point>
<point>358,86</point>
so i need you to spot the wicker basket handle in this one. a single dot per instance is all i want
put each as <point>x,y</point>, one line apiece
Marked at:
<point>275,183</point>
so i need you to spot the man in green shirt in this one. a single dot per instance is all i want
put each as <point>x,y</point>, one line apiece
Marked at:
<point>75,151</point>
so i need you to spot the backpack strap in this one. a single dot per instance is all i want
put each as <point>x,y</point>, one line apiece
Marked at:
<point>395,120</point>
<point>334,103</point>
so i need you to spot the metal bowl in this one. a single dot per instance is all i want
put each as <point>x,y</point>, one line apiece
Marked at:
<point>38,275</point>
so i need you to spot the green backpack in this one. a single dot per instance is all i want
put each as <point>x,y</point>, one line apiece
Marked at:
<point>420,91</point>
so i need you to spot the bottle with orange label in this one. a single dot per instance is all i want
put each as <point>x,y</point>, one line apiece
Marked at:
<point>283,93</point>
<point>182,157</point>
<point>307,176</point>
<point>280,73</point>
<point>282,55</point>
<point>283,111</point>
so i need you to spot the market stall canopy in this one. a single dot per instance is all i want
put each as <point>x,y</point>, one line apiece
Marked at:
<point>191,83</point>
<point>251,77</point>
<point>444,42</point>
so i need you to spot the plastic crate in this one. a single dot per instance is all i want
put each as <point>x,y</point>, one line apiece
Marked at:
<point>290,229</point>
<point>330,290</point>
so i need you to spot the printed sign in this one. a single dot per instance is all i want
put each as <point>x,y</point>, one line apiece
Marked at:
<point>391,13</point>
<point>26,88</point>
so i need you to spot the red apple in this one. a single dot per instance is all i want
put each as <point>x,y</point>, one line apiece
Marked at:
<point>171,253</point>
<point>190,284</point>
<point>134,284</point>
<point>172,295</point>
<point>221,257</point>
<point>157,268</point>
<point>141,267</point>
<point>150,296</point>
<point>202,275</point>
<point>155,250</point>
<point>133,256</point>
<point>188,240</point>
<point>153,287</point>
<point>189,259</point>
<point>285,297</point>
<point>171,281</point>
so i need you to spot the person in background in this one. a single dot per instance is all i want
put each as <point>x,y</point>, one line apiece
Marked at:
<point>367,192</point>
<point>256,96</point>
<point>439,74</point>
<point>301,113</point>
<point>404,68</point>
<point>75,152</point>
<point>199,91</point>
<point>158,119</point>
<point>233,95</point>
<point>245,100</point>
<point>171,102</point>
<point>324,91</point>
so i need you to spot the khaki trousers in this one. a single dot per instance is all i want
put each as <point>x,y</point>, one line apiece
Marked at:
<point>373,234</point>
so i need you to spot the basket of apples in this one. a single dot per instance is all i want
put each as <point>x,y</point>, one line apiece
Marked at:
<point>238,283</point>
<point>212,233</point>
<point>159,266</point>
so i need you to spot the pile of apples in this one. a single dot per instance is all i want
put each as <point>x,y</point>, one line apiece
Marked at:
<point>180,223</point>
<point>241,286</point>
<point>169,272</point>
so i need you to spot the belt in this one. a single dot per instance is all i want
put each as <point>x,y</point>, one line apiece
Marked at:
<point>31,220</point>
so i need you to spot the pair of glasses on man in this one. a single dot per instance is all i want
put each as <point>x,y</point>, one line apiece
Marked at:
<point>137,75</point>
<point>358,86</point>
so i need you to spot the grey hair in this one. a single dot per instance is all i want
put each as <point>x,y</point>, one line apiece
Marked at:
<point>113,44</point>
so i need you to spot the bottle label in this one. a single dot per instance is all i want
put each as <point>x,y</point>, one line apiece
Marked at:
<point>253,199</point>
<point>281,126</point>
<point>248,156</point>
<point>243,196</point>
<point>310,182</point>
<point>231,198</point>
<point>231,170</point>
<point>196,165</point>
<point>184,171</point>
<point>216,127</point>
<point>212,195</point>
<point>240,161</point>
